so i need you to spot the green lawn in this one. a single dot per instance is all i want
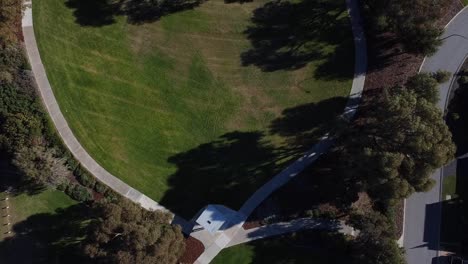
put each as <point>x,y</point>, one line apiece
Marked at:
<point>202,105</point>
<point>24,205</point>
<point>449,186</point>
<point>303,248</point>
<point>36,224</point>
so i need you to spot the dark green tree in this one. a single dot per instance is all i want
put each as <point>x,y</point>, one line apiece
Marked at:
<point>425,86</point>
<point>396,144</point>
<point>375,243</point>
<point>125,233</point>
<point>415,21</point>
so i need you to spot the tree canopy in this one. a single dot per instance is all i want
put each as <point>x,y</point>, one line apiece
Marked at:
<point>398,141</point>
<point>124,233</point>
<point>375,243</point>
<point>415,21</point>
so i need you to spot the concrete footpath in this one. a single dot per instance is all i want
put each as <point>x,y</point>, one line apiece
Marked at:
<point>61,124</point>
<point>215,243</point>
<point>244,236</point>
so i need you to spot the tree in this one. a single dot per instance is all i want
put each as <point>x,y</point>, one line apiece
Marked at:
<point>375,243</point>
<point>10,14</point>
<point>396,144</point>
<point>18,130</point>
<point>425,86</point>
<point>415,21</point>
<point>125,233</point>
<point>40,165</point>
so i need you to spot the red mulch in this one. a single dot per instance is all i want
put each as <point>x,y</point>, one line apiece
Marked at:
<point>388,65</point>
<point>193,249</point>
<point>249,224</point>
<point>451,11</point>
<point>97,196</point>
<point>399,215</point>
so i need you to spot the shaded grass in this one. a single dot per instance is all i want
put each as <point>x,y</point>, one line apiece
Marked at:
<point>305,247</point>
<point>140,96</point>
<point>449,187</point>
<point>33,237</point>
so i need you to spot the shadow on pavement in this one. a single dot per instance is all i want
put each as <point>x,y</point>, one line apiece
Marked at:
<point>432,226</point>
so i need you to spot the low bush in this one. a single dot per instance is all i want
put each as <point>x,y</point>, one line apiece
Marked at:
<point>79,193</point>
<point>463,80</point>
<point>85,178</point>
<point>100,188</point>
<point>441,76</point>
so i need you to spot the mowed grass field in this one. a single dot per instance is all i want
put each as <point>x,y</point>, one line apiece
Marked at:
<point>202,105</point>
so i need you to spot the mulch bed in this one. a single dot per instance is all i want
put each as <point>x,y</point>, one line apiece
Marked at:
<point>399,217</point>
<point>193,249</point>
<point>249,224</point>
<point>388,65</point>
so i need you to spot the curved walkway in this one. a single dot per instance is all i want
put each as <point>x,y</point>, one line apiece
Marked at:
<point>235,234</point>
<point>62,126</point>
<point>124,189</point>
<point>423,210</point>
<point>244,236</point>
<point>360,68</point>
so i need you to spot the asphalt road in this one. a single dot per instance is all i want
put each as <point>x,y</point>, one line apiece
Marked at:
<point>422,212</point>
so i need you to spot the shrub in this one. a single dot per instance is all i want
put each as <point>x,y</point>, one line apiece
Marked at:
<point>6,77</point>
<point>111,196</point>
<point>463,80</point>
<point>441,76</point>
<point>455,116</point>
<point>100,187</point>
<point>79,193</point>
<point>313,213</point>
<point>63,186</point>
<point>425,86</point>
<point>86,179</point>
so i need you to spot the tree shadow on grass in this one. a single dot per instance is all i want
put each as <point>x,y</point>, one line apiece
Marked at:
<point>287,35</point>
<point>47,238</point>
<point>14,181</point>
<point>94,13</point>
<point>97,13</point>
<point>146,11</point>
<point>303,247</point>
<point>324,183</point>
<point>303,125</point>
<point>230,169</point>
<point>224,171</point>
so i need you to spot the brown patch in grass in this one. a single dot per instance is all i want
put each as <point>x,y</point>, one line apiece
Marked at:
<point>256,102</point>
